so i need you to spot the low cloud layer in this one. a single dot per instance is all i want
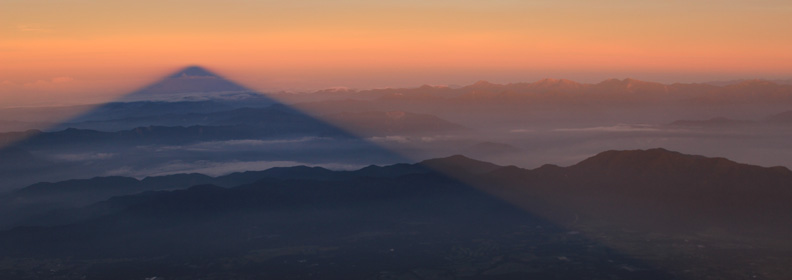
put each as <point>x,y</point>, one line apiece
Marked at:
<point>84,156</point>
<point>613,128</point>
<point>213,168</point>
<point>241,144</point>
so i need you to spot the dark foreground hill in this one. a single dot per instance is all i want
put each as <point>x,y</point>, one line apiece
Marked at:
<point>420,226</point>
<point>645,214</point>
<point>34,204</point>
<point>660,189</point>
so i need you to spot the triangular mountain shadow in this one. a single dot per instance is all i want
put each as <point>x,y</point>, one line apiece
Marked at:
<point>192,116</point>
<point>283,135</point>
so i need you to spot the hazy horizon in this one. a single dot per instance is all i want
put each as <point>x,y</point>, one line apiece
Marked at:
<point>61,50</point>
<point>58,91</point>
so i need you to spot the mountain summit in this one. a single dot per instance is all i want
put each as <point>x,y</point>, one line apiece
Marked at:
<point>190,82</point>
<point>193,72</point>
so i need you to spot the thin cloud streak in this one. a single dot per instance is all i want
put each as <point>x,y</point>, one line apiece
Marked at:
<point>32,28</point>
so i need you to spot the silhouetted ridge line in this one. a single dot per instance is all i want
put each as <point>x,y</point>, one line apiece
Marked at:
<point>661,160</point>
<point>459,163</point>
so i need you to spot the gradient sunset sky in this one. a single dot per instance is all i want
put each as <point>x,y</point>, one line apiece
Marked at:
<point>66,51</point>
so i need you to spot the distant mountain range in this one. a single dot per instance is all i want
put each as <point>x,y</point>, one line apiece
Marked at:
<point>553,102</point>
<point>366,124</point>
<point>245,123</point>
<point>546,88</point>
<point>738,81</point>
<point>163,135</point>
<point>393,123</point>
<point>783,118</point>
<point>196,90</point>
<point>194,94</point>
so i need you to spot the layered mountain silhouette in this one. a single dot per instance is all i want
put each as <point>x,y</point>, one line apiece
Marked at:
<point>393,123</point>
<point>385,209</point>
<point>558,102</point>
<point>546,88</point>
<point>16,158</point>
<point>41,198</point>
<point>365,124</point>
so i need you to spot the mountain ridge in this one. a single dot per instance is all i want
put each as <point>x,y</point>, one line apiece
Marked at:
<point>644,194</point>
<point>616,177</point>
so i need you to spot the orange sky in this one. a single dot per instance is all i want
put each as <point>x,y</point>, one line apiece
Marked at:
<point>69,51</point>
